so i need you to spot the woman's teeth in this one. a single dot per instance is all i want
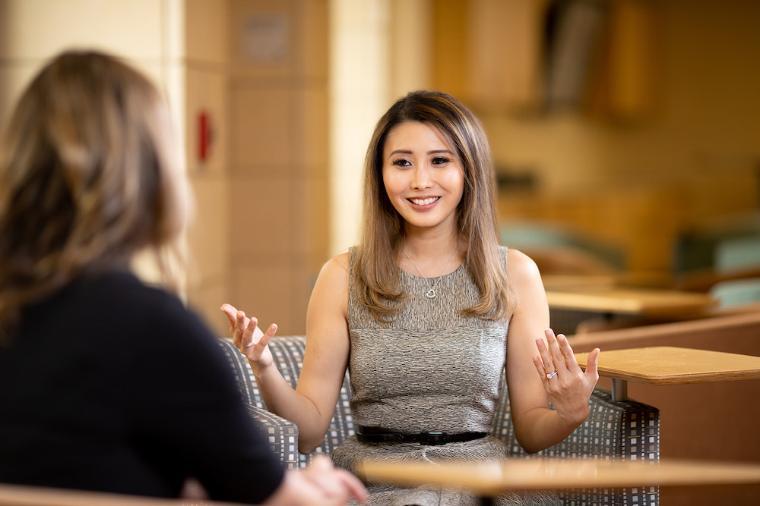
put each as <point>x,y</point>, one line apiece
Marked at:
<point>424,202</point>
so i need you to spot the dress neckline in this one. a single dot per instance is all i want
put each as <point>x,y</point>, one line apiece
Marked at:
<point>432,278</point>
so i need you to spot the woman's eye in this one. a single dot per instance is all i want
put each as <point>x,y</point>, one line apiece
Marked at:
<point>440,160</point>
<point>401,162</point>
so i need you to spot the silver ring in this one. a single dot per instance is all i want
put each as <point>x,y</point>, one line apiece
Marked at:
<point>551,375</point>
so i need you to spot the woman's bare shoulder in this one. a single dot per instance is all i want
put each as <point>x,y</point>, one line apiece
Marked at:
<point>520,266</point>
<point>339,262</point>
<point>335,273</point>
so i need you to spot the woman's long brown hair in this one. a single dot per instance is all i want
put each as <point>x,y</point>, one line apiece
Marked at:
<point>375,270</point>
<point>88,177</point>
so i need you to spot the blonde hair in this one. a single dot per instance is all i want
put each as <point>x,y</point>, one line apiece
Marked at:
<point>375,270</point>
<point>88,177</point>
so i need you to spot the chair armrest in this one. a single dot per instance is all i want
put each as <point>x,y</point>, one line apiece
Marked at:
<point>288,354</point>
<point>613,430</point>
<point>281,433</point>
<point>243,373</point>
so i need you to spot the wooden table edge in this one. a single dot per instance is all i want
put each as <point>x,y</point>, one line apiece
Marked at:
<point>690,379</point>
<point>718,473</point>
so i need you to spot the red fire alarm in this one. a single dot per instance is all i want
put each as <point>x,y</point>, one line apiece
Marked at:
<point>204,136</point>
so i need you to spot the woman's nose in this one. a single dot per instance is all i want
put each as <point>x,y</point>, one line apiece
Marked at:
<point>421,178</point>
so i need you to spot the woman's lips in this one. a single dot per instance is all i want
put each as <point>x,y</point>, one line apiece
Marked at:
<point>423,203</point>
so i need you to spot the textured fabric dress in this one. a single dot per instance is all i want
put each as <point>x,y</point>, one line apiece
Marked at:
<point>426,369</point>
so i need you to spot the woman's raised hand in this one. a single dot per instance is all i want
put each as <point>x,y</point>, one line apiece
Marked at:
<point>248,337</point>
<point>567,385</point>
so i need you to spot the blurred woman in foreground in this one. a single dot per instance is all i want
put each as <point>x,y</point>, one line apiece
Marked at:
<point>105,383</point>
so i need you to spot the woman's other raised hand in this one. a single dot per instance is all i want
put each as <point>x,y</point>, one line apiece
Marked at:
<point>567,385</point>
<point>248,338</point>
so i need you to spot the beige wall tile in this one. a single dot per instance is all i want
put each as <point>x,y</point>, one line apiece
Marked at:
<point>263,37</point>
<point>265,292</point>
<point>313,39</point>
<point>261,218</point>
<point>206,35</point>
<point>302,285</point>
<point>311,132</point>
<point>208,237</point>
<point>206,91</point>
<point>206,300</point>
<point>13,79</point>
<point>41,28</point>
<point>261,129</point>
<point>154,71</point>
<point>310,230</point>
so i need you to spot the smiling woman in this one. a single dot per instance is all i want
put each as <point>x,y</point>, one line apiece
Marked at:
<point>427,312</point>
<point>429,131</point>
<point>422,175</point>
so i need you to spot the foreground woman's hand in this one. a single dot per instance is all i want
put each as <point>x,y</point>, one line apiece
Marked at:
<point>248,337</point>
<point>567,385</point>
<point>320,483</point>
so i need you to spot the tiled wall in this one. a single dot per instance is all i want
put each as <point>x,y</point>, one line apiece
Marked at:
<point>260,230</point>
<point>206,82</point>
<point>278,151</point>
<point>145,32</point>
<point>182,46</point>
<point>32,31</point>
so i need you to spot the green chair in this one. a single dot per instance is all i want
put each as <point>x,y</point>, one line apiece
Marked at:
<point>542,236</point>
<point>737,292</point>
<point>728,245</point>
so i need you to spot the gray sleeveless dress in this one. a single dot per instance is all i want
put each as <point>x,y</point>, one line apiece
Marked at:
<point>426,369</point>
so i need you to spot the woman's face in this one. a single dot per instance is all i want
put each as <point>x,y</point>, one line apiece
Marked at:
<point>422,175</point>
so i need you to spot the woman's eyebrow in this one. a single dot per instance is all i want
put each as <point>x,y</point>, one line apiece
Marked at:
<point>409,151</point>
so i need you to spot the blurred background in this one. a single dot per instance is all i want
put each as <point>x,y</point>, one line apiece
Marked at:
<point>625,133</point>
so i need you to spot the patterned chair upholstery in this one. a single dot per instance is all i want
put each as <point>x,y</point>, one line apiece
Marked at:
<point>613,430</point>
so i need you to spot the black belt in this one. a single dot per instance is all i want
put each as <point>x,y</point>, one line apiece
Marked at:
<point>380,435</point>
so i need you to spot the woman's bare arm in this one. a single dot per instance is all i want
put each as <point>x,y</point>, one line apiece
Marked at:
<point>312,404</point>
<point>533,351</point>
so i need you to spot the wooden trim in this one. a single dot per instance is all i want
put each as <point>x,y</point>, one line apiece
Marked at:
<point>13,495</point>
<point>665,332</point>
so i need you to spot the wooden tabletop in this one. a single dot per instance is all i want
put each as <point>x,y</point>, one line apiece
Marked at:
<point>630,279</point>
<point>653,303</point>
<point>489,478</point>
<point>664,365</point>
<point>13,495</point>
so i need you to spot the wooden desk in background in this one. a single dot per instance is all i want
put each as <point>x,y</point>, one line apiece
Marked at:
<point>628,301</point>
<point>493,478</point>
<point>658,280</point>
<point>668,365</point>
<point>714,420</point>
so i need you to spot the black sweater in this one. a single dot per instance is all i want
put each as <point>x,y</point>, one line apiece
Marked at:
<point>113,386</point>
